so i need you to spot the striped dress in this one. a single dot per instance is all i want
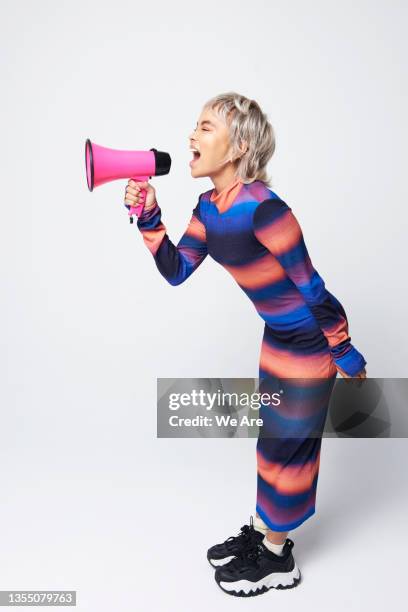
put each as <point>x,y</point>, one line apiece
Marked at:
<point>250,231</point>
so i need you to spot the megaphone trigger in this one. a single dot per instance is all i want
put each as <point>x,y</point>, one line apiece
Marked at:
<point>137,210</point>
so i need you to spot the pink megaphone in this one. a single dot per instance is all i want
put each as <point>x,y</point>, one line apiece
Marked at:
<point>104,165</point>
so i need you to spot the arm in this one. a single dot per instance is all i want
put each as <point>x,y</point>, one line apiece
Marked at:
<point>175,263</point>
<point>276,227</point>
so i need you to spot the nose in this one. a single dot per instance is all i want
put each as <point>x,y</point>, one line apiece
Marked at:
<point>192,134</point>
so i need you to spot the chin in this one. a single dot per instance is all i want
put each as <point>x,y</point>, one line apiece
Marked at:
<point>197,174</point>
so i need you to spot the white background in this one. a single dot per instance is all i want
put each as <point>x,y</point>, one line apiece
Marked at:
<point>90,498</point>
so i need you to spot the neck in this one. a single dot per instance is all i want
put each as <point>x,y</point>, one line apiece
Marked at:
<point>228,176</point>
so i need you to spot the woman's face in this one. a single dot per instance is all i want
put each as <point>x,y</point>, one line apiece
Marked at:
<point>211,139</point>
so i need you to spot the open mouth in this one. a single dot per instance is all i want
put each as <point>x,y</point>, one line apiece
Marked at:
<point>196,156</point>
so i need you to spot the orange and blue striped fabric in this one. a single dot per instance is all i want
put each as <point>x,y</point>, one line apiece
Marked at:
<point>258,240</point>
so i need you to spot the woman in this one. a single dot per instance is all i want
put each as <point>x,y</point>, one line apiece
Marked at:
<point>254,235</point>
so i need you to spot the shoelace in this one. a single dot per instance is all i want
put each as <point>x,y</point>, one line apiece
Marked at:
<point>244,534</point>
<point>249,556</point>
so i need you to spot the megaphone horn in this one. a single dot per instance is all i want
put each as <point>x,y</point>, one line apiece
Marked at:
<point>104,165</point>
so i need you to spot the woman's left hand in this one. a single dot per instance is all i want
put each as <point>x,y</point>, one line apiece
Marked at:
<point>361,374</point>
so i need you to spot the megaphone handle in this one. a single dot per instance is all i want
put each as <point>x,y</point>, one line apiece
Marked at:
<point>137,210</point>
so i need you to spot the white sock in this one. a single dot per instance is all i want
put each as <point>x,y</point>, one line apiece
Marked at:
<point>259,525</point>
<point>275,548</point>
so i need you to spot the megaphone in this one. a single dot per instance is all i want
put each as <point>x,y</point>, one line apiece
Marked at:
<point>104,165</point>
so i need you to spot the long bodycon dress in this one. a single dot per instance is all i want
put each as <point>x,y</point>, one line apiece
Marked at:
<point>254,235</point>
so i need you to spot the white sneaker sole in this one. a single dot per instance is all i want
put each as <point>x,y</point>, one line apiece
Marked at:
<point>219,562</point>
<point>275,580</point>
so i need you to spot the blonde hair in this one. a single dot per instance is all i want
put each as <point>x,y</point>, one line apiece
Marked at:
<point>246,122</point>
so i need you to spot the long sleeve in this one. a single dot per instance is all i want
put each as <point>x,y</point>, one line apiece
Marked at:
<point>175,263</point>
<point>276,227</point>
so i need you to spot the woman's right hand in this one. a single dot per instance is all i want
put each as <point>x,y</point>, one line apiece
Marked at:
<point>132,194</point>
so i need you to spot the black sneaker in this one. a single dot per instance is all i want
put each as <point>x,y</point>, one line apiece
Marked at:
<point>257,569</point>
<point>221,554</point>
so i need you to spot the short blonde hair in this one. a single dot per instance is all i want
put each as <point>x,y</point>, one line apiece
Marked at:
<point>246,122</point>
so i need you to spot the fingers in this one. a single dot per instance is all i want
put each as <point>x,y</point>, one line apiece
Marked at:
<point>342,372</point>
<point>138,184</point>
<point>134,197</point>
<point>361,374</point>
<point>133,193</point>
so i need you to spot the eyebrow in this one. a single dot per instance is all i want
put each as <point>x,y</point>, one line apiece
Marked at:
<point>206,121</point>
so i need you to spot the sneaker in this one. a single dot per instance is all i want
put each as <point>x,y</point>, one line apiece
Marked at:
<point>221,554</point>
<point>256,570</point>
